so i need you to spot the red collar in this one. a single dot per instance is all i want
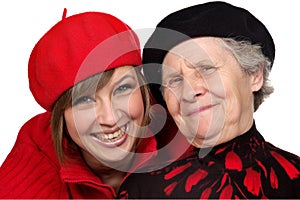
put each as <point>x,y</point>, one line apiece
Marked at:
<point>76,171</point>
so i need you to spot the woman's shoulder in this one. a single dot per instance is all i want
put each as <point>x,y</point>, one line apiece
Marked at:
<point>40,122</point>
<point>31,167</point>
<point>282,155</point>
<point>284,160</point>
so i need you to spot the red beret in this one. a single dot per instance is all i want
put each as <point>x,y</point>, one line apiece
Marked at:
<point>76,48</point>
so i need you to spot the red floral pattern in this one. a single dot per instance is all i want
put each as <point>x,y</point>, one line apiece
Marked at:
<point>206,193</point>
<point>226,193</point>
<point>177,171</point>
<point>233,161</point>
<point>169,189</point>
<point>194,179</point>
<point>273,179</point>
<point>246,167</point>
<point>252,181</point>
<point>289,168</point>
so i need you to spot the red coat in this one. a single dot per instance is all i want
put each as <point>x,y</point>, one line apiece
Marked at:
<point>32,170</point>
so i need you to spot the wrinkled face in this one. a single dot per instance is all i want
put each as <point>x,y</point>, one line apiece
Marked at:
<point>206,92</point>
<point>106,122</point>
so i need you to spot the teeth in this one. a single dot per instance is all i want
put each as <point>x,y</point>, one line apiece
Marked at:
<point>116,134</point>
<point>111,136</point>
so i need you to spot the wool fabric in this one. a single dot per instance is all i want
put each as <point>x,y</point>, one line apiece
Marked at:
<point>211,19</point>
<point>76,48</point>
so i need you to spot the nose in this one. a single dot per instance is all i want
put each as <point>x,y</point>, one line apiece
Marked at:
<point>194,86</point>
<point>105,114</point>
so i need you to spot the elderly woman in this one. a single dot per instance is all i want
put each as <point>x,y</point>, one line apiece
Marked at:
<point>213,62</point>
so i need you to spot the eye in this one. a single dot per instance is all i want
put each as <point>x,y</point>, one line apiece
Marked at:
<point>83,100</point>
<point>174,82</point>
<point>123,88</point>
<point>207,70</point>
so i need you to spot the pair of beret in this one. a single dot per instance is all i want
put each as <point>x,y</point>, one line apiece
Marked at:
<point>76,48</point>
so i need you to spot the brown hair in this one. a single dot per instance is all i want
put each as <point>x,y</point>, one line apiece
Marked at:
<point>59,131</point>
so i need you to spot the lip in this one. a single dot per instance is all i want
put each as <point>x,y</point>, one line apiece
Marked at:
<point>199,110</point>
<point>111,138</point>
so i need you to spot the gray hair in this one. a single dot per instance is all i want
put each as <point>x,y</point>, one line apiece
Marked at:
<point>251,59</point>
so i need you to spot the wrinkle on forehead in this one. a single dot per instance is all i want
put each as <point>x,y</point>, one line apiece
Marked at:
<point>195,51</point>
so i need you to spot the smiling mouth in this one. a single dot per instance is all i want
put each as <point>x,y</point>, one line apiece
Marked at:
<point>114,138</point>
<point>200,110</point>
<point>111,137</point>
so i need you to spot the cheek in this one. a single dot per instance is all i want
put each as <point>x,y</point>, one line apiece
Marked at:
<point>238,99</point>
<point>135,105</point>
<point>172,102</point>
<point>72,127</point>
<point>78,122</point>
<point>70,122</point>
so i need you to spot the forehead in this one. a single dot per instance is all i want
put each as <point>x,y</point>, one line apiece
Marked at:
<point>194,51</point>
<point>123,70</point>
<point>120,73</point>
<point>104,79</point>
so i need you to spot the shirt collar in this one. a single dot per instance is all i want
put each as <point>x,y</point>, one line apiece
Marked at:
<point>236,154</point>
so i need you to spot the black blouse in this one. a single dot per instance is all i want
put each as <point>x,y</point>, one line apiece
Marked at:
<point>245,167</point>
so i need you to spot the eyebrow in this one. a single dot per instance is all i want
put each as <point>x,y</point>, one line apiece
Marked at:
<point>198,63</point>
<point>171,74</point>
<point>125,77</point>
<point>193,65</point>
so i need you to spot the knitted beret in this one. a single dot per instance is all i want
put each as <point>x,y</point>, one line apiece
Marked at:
<point>76,48</point>
<point>216,19</point>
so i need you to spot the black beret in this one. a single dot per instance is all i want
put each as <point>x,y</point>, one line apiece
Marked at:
<point>216,19</point>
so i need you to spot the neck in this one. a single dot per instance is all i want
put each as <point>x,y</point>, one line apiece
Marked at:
<point>108,175</point>
<point>235,129</point>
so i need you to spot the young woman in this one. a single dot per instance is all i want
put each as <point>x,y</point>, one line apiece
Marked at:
<point>83,72</point>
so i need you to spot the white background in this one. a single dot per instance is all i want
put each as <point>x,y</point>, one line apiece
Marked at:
<point>24,22</point>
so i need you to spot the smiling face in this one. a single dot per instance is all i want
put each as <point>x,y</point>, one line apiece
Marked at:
<point>106,122</point>
<point>207,94</point>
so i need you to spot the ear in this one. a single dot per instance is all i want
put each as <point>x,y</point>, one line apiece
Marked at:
<point>257,79</point>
